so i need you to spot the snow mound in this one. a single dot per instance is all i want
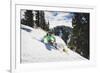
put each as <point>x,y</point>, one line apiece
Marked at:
<point>33,50</point>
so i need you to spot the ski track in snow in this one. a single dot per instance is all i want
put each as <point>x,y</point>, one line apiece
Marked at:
<point>33,50</point>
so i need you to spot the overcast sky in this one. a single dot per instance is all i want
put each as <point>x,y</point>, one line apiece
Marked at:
<point>58,18</point>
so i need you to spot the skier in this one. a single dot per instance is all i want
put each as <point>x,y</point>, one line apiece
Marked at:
<point>50,40</point>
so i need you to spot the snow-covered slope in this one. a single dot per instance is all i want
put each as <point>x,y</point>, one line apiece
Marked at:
<point>33,50</point>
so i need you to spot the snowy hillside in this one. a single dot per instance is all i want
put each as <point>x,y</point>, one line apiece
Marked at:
<point>33,50</point>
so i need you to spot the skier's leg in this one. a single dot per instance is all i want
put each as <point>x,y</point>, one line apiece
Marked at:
<point>48,46</point>
<point>55,45</point>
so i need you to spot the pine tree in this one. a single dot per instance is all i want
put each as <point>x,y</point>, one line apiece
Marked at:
<point>80,34</point>
<point>37,19</point>
<point>29,18</point>
<point>40,20</point>
<point>63,32</point>
<point>48,24</point>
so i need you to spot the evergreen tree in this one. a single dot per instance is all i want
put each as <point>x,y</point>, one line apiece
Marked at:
<point>63,32</point>
<point>37,18</point>
<point>28,18</point>
<point>40,20</point>
<point>47,26</point>
<point>80,34</point>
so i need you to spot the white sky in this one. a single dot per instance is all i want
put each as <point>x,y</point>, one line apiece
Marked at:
<point>58,18</point>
